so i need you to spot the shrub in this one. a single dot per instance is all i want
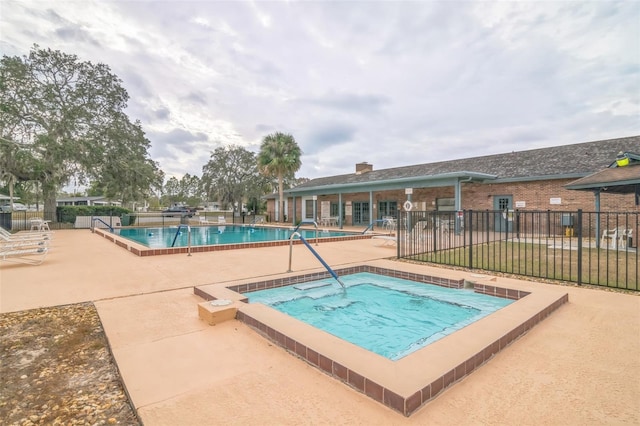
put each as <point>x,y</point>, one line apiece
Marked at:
<point>67,214</point>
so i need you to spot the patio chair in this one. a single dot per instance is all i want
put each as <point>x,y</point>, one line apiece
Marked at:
<point>39,224</point>
<point>389,223</point>
<point>609,238</point>
<point>624,237</point>
<point>222,219</point>
<point>323,221</point>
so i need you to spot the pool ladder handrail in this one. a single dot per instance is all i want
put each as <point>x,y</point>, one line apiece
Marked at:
<point>100,220</point>
<point>315,253</point>
<point>188,237</point>
<point>315,224</point>
<point>371,225</point>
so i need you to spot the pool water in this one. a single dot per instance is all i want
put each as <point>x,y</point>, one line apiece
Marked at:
<point>213,235</point>
<point>389,316</point>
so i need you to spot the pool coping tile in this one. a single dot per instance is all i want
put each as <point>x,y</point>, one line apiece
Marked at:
<point>143,251</point>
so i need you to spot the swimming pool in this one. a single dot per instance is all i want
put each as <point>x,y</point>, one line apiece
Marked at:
<point>163,237</point>
<point>390,316</point>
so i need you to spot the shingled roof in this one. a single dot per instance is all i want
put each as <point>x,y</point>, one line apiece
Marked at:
<point>624,179</point>
<point>565,161</point>
<point>621,179</point>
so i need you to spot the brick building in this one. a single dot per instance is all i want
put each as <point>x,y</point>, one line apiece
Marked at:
<point>524,180</point>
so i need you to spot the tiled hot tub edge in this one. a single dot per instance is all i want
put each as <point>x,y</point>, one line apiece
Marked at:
<point>402,404</point>
<point>298,279</point>
<point>405,404</point>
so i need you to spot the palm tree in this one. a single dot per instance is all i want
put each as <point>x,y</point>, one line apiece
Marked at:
<point>279,157</point>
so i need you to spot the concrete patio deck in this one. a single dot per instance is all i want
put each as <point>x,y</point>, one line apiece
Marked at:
<point>581,365</point>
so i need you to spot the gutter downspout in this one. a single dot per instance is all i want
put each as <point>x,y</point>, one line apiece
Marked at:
<point>340,212</point>
<point>458,202</point>
<point>596,193</point>
<point>371,210</point>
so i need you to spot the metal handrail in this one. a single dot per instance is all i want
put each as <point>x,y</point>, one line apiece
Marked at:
<point>315,253</point>
<point>105,223</point>
<point>188,237</point>
<point>315,224</point>
<point>370,226</point>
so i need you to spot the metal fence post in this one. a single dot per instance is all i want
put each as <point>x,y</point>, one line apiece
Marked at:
<point>580,242</point>
<point>470,231</point>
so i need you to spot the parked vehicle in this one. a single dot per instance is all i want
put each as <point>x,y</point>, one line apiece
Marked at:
<point>17,207</point>
<point>176,210</point>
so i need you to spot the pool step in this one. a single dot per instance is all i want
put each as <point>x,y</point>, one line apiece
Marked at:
<point>310,286</point>
<point>217,311</point>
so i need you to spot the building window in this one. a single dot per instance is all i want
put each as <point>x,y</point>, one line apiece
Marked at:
<point>333,210</point>
<point>387,208</point>
<point>503,203</point>
<point>445,204</point>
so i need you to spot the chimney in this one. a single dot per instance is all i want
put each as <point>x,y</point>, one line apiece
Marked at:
<point>363,167</point>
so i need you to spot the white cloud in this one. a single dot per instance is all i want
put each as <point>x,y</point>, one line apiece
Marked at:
<point>391,83</point>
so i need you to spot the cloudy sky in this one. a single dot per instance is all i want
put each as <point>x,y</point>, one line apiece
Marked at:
<point>392,83</point>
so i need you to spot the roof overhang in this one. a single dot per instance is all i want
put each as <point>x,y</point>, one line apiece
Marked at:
<point>444,179</point>
<point>618,180</point>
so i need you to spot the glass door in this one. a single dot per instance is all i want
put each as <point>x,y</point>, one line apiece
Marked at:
<point>387,209</point>
<point>361,214</point>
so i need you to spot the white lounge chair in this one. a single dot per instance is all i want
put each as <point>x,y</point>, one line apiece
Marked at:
<point>222,219</point>
<point>9,244</point>
<point>31,255</point>
<point>203,221</point>
<point>23,236</point>
<point>387,240</point>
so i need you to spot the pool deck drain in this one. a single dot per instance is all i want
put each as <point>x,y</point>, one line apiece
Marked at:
<point>406,384</point>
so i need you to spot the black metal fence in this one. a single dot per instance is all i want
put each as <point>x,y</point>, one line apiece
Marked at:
<point>22,220</point>
<point>154,219</point>
<point>599,248</point>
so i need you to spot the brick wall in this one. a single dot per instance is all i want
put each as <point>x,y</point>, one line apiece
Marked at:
<point>536,196</point>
